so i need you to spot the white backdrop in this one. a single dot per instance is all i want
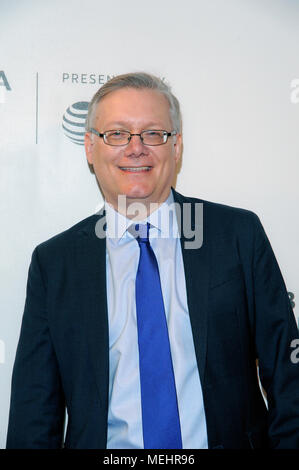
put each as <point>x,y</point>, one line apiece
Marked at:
<point>233,65</point>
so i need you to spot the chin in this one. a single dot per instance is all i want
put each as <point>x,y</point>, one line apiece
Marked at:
<point>138,193</point>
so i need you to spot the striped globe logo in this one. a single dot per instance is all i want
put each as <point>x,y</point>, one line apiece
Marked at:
<point>74,122</point>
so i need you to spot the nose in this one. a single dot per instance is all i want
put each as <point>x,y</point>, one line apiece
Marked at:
<point>135,147</point>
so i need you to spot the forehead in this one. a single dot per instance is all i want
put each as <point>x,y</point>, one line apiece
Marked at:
<point>133,106</point>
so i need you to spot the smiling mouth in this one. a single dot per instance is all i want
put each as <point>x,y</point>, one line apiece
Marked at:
<point>135,169</point>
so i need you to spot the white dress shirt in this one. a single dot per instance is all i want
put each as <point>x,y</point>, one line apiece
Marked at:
<point>124,413</point>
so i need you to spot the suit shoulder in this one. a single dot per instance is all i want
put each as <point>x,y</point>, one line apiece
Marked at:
<point>243,223</point>
<point>229,212</point>
<point>221,218</point>
<point>61,240</point>
<point>219,211</point>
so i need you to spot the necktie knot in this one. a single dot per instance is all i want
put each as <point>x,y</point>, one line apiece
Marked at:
<point>142,232</point>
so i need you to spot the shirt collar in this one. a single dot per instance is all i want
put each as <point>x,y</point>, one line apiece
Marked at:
<point>163,220</point>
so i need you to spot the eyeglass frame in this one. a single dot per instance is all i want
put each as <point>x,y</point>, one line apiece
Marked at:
<point>130,135</point>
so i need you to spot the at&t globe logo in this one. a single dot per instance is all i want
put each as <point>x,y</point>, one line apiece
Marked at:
<point>74,122</point>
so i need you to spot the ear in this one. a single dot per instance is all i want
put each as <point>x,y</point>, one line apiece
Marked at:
<point>178,147</point>
<point>88,143</point>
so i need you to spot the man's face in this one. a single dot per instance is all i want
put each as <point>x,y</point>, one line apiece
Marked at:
<point>135,111</point>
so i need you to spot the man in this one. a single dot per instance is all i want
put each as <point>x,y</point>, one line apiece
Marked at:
<point>147,340</point>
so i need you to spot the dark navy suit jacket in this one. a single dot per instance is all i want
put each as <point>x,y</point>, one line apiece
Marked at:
<point>239,311</point>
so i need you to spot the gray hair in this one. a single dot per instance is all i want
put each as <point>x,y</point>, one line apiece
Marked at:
<point>137,80</point>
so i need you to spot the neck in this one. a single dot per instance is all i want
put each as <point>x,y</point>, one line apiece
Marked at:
<point>137,209</point>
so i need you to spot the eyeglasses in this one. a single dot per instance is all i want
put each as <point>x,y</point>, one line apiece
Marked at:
<point>149,137</point>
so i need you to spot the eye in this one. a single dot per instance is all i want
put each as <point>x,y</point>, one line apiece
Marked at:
<point>117,137</point>
<point>154,133</point>
<point>153,137</point>
<point>117,134</point>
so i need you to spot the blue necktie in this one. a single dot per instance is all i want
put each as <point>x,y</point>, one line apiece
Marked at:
<point>160,416</point>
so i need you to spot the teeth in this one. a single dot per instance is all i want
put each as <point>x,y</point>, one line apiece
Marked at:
<point>140,168</point>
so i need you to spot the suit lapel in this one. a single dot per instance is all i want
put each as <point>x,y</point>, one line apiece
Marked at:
<point>91,252</point>
<point>196,265</point>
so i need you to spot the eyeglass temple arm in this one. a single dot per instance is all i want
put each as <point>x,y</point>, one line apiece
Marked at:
<point>93,131</point>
